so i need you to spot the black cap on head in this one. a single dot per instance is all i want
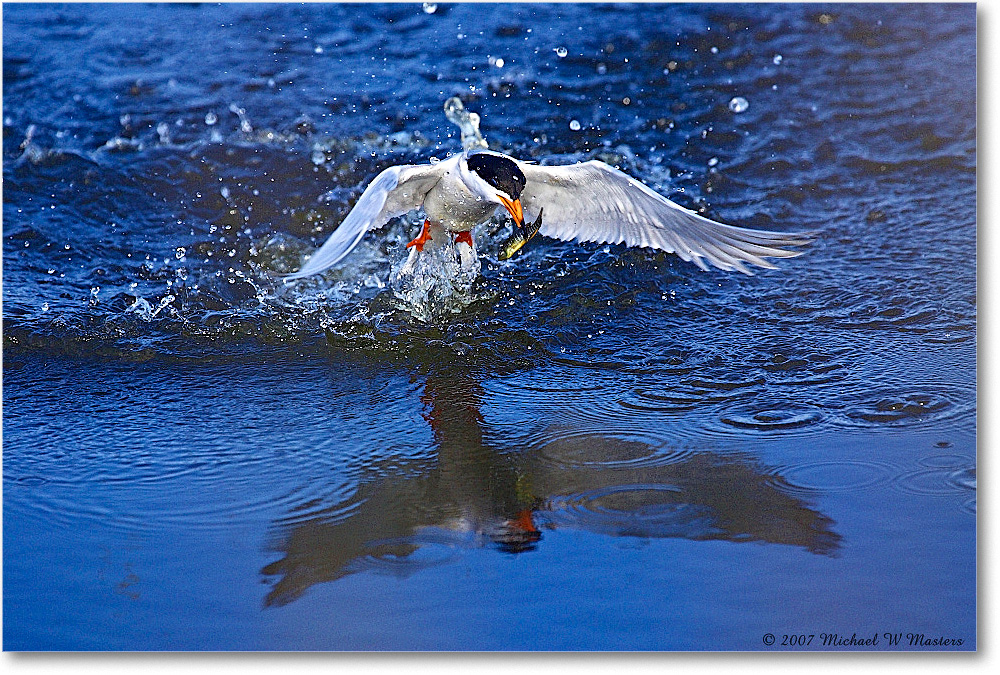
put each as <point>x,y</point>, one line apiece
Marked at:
<point>500,172</point>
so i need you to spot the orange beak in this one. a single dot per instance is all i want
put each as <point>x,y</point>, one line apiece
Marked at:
<point>514,207</point>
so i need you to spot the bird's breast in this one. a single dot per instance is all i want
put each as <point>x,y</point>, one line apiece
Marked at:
<point>453,205</point>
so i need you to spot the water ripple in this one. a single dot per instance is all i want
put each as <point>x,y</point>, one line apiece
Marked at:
<point>835,476</point>
<point>772,420</point>
<point>933,403</point>
<point>640,510</point>
<point>937,481</point>
<point>403,556</point>
<point>572,448</point>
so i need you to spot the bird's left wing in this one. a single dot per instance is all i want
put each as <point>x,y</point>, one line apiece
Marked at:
<point>395,191</point>
<point>595,202</point>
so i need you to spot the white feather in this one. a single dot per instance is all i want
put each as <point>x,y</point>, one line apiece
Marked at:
<point>395,191</point>
<point>595,202</point>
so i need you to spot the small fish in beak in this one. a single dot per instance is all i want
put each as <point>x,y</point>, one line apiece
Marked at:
<point>521,236</point>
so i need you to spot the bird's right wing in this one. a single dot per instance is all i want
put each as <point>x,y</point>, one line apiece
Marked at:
<point>395,191</point>
<point>596,202</point>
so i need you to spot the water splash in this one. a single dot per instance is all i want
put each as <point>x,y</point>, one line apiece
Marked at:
<point>468,122</point>
<point>145,311</point>
<point>437,281</point>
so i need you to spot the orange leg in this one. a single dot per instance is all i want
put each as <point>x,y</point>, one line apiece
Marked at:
<point>464,238</point>
<point>524,522</point>
<point>423,237</point>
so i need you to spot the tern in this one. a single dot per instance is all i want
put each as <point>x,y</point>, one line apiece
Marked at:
<point>590,201</point>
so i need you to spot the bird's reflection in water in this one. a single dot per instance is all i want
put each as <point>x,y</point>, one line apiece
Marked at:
<point>402,518</point>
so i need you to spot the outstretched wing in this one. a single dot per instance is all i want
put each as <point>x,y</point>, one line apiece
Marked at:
<point>595,202</point>
<point>397,190</point>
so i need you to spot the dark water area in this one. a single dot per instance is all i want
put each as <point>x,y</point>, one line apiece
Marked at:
<point>590,447</point>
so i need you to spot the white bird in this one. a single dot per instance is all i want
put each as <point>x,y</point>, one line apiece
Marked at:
<point>590,201</point>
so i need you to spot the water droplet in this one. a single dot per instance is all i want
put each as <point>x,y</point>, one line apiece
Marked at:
<point>430,7</point>
<point>574,125</point>
<point>777,59</point>
<point>318,50</point>
<point>601,69</point>
<point>180,252</point>
<point>561,52</point>
<point>211,118</point>
<point>45,306</point>
<point>713,161</point>
<point>499,63</point>
<point>714,50</point>
<point>738,104</point>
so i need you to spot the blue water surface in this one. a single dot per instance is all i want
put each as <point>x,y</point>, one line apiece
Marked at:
<point>591,447</point>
